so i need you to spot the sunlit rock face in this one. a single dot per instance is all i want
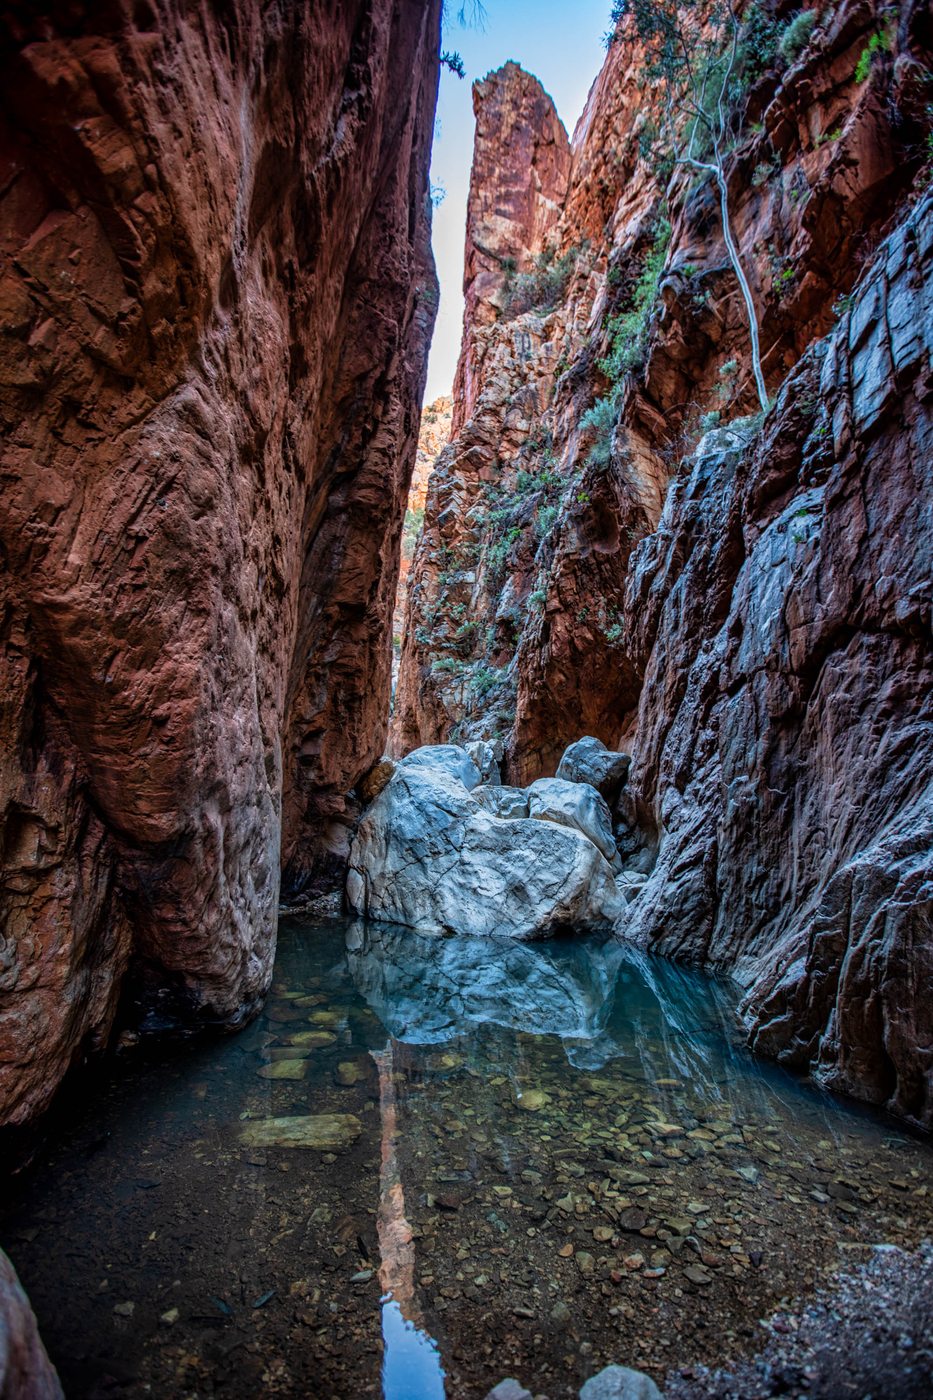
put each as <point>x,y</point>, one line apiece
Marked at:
<point>749,618</point>
<point>216,308</point>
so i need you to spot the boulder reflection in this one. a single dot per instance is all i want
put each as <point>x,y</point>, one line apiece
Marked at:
<point>603,999</point>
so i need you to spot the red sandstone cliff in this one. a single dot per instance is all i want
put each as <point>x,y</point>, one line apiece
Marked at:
<point>216,303</point>
<point>537,614</point>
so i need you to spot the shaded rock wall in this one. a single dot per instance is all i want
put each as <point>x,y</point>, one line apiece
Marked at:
<point>216,301</point>
<point>26,1373</point>
<point>784,755</point>
<point>754,620</point>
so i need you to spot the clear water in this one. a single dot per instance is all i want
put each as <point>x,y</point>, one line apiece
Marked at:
<point>530,1161</point>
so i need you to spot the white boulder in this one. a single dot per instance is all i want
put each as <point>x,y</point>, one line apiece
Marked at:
<point>428,855</point>
<point>449,758</point>
<point>502,801</point>
<point>577,805</point>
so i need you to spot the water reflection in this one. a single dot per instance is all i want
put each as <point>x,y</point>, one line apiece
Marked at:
<point>524,1160</point>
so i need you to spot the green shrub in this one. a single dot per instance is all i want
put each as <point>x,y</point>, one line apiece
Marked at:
<point>446,666</point>
<point>758,44</point>
<point>541,288</point>
<point>485,679</point>
<point>537,599</point>
<point>628,329</point>
<point>600,420</point>
<point>544,520</point>
<point>795,36</point>
<point>880,42</point>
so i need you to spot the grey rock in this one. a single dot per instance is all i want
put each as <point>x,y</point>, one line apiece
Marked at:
<point>620,1383</point>
<point>448,758</point>
<point>484,756</point>
<point>426,854</point>
<point>589,761</point>
<point>502,801</point>
<point>509,1390</point>
<point>577,805</point>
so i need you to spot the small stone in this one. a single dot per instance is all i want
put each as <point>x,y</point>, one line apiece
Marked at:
<point>348,1073</point>
<point>697,1275</point>
<point>124,1309</point>
<point>560,1314</point>
<point>509,1390</point>
<point>169,1317</point>
<point>620,1383</point>
<point>283,1069</point>
<point>602,1234</point>
<point>585,1261</point>
<point>320,1132</point>
<point>314,1040</point>
<point>532,1100</point>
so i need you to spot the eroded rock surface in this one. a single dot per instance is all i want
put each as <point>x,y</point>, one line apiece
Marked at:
<point>216,303</point>
<point>429,855</point>
<point>749,619</point>
<point>784,762</point>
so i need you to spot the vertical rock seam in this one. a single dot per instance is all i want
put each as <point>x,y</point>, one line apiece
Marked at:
<point>217,299</point>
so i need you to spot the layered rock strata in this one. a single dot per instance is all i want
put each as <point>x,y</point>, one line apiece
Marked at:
<point>783,771</point>
<point>216,302</point>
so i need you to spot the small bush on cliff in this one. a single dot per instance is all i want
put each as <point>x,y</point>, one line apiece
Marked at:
<point>795,36</point>
<point>600,420</point>
<point>628,330</point>
<point>881,42</point>
<point>541,288</point>
<point>485,679</point>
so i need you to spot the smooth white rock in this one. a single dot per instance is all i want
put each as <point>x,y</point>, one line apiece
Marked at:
<point>448,758</point>
<point>427,855</point>
<point>576,805</point>
<point>620,1383</point>
<point>505,802</point>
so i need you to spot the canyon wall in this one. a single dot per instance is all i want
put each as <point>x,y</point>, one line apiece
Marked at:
<point>751,615</point>
<point>217,299</point>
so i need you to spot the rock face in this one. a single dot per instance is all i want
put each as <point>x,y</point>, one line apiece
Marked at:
<point>745,611</point>
<point>577,805</point>
<point>26,1373</point>
<point>216,303</point>
<point>515,629</point>
<point>784,763</point>
<point>429,855</point>
<point>432,437</point>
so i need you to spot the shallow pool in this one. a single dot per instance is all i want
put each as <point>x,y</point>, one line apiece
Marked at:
<point>433,1163</point>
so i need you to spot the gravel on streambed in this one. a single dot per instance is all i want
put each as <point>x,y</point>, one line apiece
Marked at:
<point>870,1337</point>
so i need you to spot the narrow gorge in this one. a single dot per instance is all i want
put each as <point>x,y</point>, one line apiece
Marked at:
<point>466,865</point>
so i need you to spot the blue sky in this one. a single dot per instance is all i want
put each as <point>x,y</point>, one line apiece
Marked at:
<point>560,41</point>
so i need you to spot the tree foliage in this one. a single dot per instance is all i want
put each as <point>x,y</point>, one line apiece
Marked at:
<point>692,56</point>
